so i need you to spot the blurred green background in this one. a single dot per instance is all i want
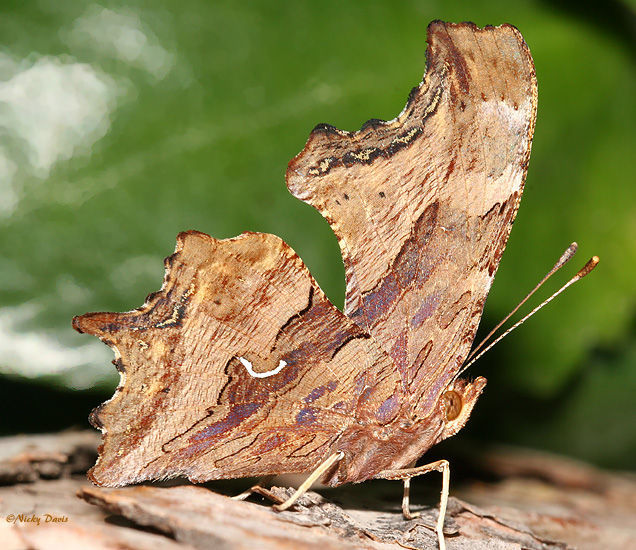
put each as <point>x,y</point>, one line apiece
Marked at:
<point>123,123</point>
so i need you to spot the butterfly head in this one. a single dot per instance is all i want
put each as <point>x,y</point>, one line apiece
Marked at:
<point>457,402</point>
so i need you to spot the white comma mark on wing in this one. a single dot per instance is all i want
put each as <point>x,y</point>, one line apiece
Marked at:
<point>248,366</point>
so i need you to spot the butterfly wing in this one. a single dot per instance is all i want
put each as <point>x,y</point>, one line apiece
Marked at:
<point>422,205</point>
<point>238,366</point>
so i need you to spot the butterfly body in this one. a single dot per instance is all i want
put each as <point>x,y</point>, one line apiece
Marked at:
<point>240,365</point>
<point>369,450</point>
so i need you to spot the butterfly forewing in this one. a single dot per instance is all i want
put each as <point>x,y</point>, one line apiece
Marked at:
<point>422,205</point>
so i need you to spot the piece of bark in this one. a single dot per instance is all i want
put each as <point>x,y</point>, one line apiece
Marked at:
<point>185,512</point>
<point>66,522</point>
<point>582,518</point>
<point>539,502</point>
<point>26,458</point>
<point>561,471</point>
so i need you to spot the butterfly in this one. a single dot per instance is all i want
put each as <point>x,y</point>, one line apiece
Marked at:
<point>241,366</point>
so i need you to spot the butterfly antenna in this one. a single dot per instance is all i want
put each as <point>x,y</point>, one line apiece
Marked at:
<point>565,258</point>
<point>587,268</point>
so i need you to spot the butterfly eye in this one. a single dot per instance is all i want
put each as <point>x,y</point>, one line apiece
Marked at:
<point>453,404</point>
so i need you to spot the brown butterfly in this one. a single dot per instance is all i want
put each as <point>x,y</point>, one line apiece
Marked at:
<point>240,366</point>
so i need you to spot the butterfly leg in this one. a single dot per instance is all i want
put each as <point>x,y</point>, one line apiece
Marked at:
<point>406,511</point>
<point>313,477</point>
<point>406,474</point>
<point>259,490</point>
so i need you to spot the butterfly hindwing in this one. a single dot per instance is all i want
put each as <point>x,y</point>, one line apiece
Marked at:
<point>238,366</point>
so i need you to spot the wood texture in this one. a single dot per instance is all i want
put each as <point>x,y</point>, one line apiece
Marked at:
<point>519,499</point>
<point>27,458</point>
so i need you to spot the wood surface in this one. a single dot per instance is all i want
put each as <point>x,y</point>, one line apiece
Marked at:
<point>510,499</point>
